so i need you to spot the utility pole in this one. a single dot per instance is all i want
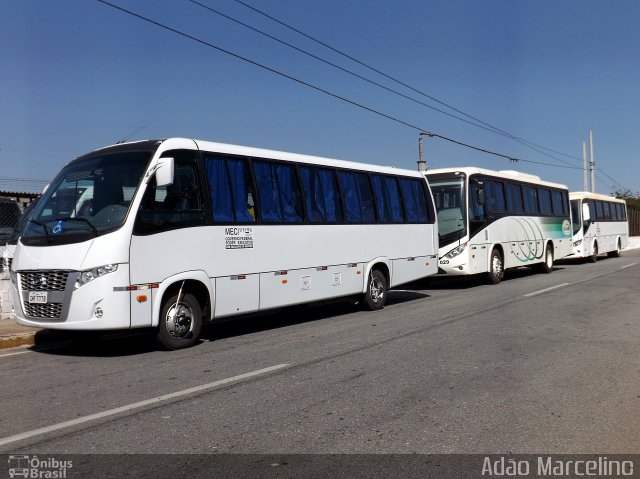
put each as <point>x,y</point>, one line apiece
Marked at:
<point>422,165</point>
<point>584,167</point>
<point>593,163</point>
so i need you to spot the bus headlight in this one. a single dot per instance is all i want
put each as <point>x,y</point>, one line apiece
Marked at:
<point>89,275</point>
<point>455,251</point>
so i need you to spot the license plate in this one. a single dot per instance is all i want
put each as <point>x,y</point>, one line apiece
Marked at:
<point>38,297</point>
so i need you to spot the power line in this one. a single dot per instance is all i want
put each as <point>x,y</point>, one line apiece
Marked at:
<point>317,88</point>
<point>487,126</point>
<point>345,70</point>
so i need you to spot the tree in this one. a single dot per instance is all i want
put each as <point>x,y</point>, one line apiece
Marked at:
<point>632,199</point>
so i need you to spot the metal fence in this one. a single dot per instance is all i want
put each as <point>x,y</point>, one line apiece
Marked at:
<point>634,220</point>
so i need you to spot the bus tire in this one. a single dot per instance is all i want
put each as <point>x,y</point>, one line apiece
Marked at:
<point>547,265</point>
<point>376,295</point>
<point>180,322</point>
<point>617,252</point>
<point>496,267</point>
<point>594,257</point>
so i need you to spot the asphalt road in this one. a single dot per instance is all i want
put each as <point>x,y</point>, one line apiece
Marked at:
<point>538,364</point>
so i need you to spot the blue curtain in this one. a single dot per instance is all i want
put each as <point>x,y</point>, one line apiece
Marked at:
<point>321,195</point>
<point>352,203</point>
<point>415,202</point>
<point>278,192</point>
<point>230,190</point>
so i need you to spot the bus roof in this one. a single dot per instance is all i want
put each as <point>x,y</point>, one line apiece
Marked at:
<point>507,174</point>
<point>583,195</point>
<point>229,149</point>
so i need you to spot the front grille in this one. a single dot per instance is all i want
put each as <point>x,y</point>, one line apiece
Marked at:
<point>45,311</point>
<point>43,280</point>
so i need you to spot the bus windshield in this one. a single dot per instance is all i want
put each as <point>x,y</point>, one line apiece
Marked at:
<point>576,214</point>
<point>88,198</point>
<point>449,197</point>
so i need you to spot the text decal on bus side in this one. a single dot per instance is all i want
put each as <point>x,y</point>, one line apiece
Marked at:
<point>238,237</point>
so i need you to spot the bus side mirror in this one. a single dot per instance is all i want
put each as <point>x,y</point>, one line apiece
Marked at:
<point>586,215</point>
<point>164,172</point>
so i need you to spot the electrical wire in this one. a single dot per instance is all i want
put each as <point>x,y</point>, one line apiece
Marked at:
<point>322,90</point>
<point>487,126</point>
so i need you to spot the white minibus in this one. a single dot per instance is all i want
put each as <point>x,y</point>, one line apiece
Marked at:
<point>176,232</point>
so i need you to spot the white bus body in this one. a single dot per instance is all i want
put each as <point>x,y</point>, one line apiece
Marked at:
<point>170,233</point>
<point>490,221</point>
<point>600,225</point>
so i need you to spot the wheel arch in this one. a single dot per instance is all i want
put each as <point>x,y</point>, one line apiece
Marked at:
<point>195,282</point>
<point>381,264</point>
<point>500,248</point>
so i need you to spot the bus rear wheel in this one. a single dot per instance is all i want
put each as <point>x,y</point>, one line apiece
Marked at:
<point>180,322</point>
<point>594,257</point>
<point>496,267</point>
<point>547,265</point>
<point>376,295</point>
<point>617,252</point>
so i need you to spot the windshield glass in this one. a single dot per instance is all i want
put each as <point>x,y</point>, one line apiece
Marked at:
<point>88,198</point>
<point>449,196</point>
<point>576,213</point>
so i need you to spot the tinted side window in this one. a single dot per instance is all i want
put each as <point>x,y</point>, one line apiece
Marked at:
<point>606,210</point>
<point>358,197</point>
<point>232,197</point>
<point>415,200</point>
<point>514,199</point>
<point>321,195</point>
<point>178,205</point>
<point>592,210</point>
<point>388,202</point>
<point>544,198</point>
<point>278,192</point>
<point>530,200</point>
<point>599,211</point>
<point>557,203</point>
<point>494,193</point>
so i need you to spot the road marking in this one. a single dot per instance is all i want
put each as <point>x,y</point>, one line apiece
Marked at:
<point>13,354</point>
<point>130,407</point>
<point>547,289</point>
<point>628,265</point>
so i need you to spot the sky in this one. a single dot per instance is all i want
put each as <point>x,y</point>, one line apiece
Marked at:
<point>76,75</point>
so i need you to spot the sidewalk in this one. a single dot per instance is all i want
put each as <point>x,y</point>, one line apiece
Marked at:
<point>13,335</point>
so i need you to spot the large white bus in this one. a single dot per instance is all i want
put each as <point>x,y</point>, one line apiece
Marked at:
<point>599,225</point>
<point>490,221</point>
<point>172,233</point>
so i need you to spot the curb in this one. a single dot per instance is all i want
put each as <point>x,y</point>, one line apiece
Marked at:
<point>25,339</point>
<point>35,338</point>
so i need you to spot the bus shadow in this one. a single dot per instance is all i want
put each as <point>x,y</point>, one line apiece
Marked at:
<point>131,343</point>
<point>283,317</point>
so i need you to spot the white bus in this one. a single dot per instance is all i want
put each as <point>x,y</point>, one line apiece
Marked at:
<point>172,233</point>
<point>490,221</point>
<point>599,225</point>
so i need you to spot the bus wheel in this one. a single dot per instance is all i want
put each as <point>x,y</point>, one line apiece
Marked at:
<point>594,257</point>
<point>617,252</point>
<point>547,265</point>
<point>180,322</point>
<point>376,294</point>
<point>496,267</point>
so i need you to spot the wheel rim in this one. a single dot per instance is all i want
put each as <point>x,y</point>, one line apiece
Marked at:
<point>179,321</point>
<point>496,264</point>
<point>549,258</point>
<point>376,289</point>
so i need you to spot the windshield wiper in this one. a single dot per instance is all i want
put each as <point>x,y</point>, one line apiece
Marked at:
<point>82,220</point>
